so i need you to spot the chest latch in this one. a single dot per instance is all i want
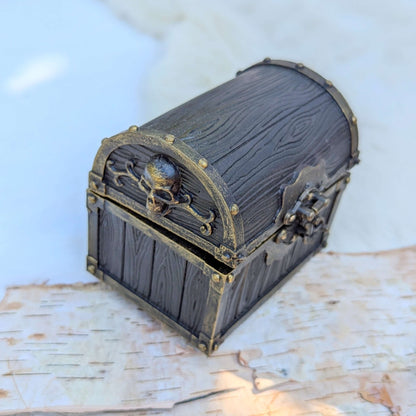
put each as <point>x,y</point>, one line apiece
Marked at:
<point>305,218</point>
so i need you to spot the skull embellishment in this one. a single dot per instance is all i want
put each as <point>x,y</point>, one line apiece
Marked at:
<point>161,181</point>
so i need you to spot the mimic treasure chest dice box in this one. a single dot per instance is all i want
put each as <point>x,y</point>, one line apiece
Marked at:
<point>202,213</point>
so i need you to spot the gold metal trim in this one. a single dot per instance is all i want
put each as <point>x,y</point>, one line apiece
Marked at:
<point>181,246</point>
<point>233,236</point>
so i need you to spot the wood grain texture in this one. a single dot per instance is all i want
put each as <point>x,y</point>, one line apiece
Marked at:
<point>337,340</point>
<point>169,270</point>
<point>194,299</point>
<point>93,226</point>
<point>257,130</point>
<point>138,261</point>
<point>162,277</point>
<point>111,243</point>
<point>257,279</point>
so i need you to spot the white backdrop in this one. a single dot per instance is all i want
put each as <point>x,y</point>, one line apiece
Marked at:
<point>73,73</point>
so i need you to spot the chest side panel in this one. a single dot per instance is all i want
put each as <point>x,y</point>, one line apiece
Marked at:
<point>151,270</point>
<point>273,263</point>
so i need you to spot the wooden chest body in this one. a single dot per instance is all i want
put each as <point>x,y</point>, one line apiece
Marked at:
<point>203,212</point>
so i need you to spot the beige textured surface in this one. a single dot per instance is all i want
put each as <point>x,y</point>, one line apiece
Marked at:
<point>338,339</point>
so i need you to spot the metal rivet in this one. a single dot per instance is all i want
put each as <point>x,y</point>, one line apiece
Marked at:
<point>266,60</point>
<point>203,163</point>
<point>328,83</point>
<point>216,277</point>
<point>299,65</point>
<point>202,346</point>
<point>310,216</point>
<point>354,120</point>
<point>133,128</point>
<point>347,179</point>
<point>230,278</point>
<point>226,256</point>
<point>91,268</point>
<point>170,138</point>
<point>215,347</point>
<point>234,209</point>
<point>283,234</point>
<point>92,199</point>
<point>289,218</point>
<point>238,73</point>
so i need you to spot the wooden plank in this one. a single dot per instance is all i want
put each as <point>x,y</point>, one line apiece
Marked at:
<point>251,290</point>
<point>194,298</point>
<point>338,339</point>
<point>111,244</point>
<point>138,261</point>
<point>93,233</point>
<point>167,280</point>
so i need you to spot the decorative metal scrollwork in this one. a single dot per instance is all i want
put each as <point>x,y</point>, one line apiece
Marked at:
<point>304,219</point>
<point>161,182</point>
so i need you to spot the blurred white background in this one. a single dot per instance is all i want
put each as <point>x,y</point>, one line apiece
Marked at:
<point>75,72</point>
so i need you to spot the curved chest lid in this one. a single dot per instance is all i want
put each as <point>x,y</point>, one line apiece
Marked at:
<point>213,171</point>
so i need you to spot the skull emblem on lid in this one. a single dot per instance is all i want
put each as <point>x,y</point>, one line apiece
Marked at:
<point>161,181</point>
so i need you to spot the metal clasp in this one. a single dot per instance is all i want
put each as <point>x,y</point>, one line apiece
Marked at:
<point>305,218</point>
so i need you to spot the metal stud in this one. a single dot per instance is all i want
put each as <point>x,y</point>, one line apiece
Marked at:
<point>299,65</point>
<point>282,235</point>
<point>328,83</point>
<point>216,277</point>
<point>347,179</point>
<point>92,199</point>
<point>226,256</point>
<point>133,128</point>
<point>202,346</point>
<point>234,209</point>
<point>203,163</point>
<point>289,218</point>
<point>170,138</point>
<point>267,60</point>
<point>354,120</point>
<point>230,278</point>
<point>91,268</point>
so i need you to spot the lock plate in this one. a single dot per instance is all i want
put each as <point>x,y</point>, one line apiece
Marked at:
<point>305,218</point>
<point>302,204</point>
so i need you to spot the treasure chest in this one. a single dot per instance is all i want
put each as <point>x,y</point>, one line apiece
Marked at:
<point>202,213</point>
